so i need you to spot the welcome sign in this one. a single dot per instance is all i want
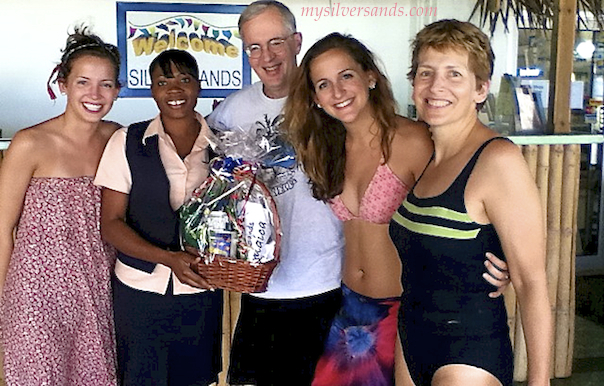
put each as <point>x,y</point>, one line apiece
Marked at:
<point>207,31</point>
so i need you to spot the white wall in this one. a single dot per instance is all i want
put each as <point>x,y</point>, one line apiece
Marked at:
<point>35,31</point>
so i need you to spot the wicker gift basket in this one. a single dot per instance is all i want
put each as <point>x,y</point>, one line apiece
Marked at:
<point>231,221</point>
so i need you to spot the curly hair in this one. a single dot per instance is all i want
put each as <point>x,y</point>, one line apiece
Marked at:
<point>83,43</point>
<point>320,139</point>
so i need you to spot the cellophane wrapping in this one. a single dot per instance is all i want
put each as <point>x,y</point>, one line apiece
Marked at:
<point>232,213</point>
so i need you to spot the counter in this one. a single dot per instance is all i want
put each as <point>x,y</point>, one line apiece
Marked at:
<point>567,139</point>
<point>4,142</point>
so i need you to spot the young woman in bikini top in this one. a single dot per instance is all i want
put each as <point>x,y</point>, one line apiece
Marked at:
<point>362,158</point>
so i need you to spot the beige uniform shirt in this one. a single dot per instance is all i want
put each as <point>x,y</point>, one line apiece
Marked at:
<point>184,175</point>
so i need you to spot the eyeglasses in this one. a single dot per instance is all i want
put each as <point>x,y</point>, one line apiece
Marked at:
<point>276,46</point>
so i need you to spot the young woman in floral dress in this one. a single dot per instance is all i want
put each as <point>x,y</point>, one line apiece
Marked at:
<point>56,317</point>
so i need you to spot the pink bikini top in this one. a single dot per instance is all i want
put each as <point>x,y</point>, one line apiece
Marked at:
<point>382,198</point>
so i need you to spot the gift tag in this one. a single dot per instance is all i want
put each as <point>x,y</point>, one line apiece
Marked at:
<point>258,233</point>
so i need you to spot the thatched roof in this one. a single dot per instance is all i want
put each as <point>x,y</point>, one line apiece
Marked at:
<point>536,13</point>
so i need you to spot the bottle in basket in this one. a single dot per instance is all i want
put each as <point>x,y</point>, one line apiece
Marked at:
<point>223,240</point>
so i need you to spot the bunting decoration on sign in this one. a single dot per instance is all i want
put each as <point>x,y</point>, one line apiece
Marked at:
<point>191,23</point>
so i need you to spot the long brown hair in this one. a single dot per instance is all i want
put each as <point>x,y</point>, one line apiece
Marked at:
<point>320,139</point>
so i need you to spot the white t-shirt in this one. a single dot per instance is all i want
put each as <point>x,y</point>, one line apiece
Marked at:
<point>312,246</point>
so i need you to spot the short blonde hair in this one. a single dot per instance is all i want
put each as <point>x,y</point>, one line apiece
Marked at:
<point>456,35</point>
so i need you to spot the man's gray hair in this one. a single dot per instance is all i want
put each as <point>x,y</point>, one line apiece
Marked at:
<point>257,7</point>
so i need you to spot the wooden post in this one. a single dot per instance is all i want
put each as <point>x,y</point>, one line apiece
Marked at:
<point>231,310</point>
<point>553,220</point>
<point>561,66</point>
<point>530,156</point>
<point>573,292</point>
<point>232,307</point>
<point>563,346</point>
<point>543,177</point>
<point>235,304</point>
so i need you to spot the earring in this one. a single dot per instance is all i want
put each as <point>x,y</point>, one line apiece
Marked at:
<point>319,106</point>
<point>372,85</point>
<point>63,93</point>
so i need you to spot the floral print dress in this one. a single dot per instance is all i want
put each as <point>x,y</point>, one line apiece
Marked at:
<point>56,316</point>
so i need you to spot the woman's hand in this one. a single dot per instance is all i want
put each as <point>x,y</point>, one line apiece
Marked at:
<point>117,232</point>
<point>182,265</point>
<point>496,274</point>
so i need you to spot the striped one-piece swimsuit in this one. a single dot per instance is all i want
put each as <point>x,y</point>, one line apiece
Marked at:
<point>446,315</point>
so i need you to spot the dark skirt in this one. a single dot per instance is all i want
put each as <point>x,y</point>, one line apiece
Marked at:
<point>167,339</point>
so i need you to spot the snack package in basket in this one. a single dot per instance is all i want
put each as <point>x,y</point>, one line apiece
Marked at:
<point>231,220</point>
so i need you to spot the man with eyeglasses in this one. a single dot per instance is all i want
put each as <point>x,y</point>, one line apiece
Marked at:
<point>280,333</point>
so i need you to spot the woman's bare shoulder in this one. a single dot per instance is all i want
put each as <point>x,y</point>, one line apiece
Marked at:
<point>404,122</point>
<point>409,128</point>
<point>410,133</point>
<point>500,153</point>
<point>107,128</point>
<point>412,148</point>
<point>502,164</point>
<point>30,147</point>
<point>35,137</point>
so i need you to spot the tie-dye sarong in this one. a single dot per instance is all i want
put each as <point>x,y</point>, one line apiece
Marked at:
<point>361,343</point>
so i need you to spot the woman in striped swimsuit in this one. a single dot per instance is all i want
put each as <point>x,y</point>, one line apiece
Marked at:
<point>476,195</point>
